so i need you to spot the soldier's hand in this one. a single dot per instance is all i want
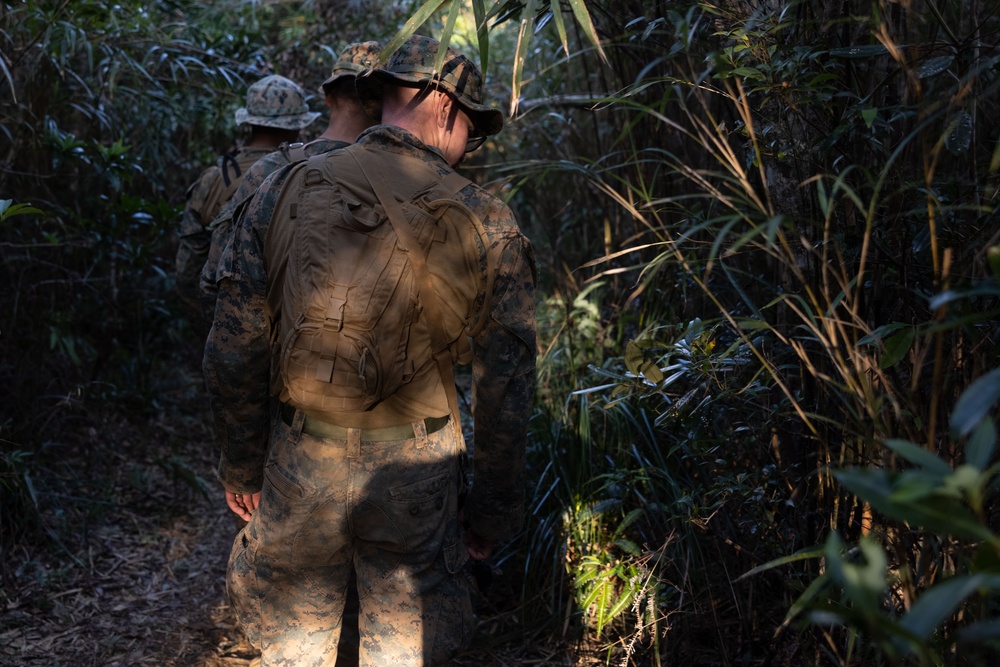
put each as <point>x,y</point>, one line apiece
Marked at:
<point>479,547</point>
<point>243,504</point>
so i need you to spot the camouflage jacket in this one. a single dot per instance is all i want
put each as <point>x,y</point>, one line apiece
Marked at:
<point>222,226</point>
<point>238,352</point>
<point>205,198</point>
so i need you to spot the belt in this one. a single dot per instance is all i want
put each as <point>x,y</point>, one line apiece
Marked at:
<point>322,429</point>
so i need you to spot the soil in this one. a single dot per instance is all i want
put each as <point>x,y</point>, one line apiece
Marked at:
<point>119,558</point>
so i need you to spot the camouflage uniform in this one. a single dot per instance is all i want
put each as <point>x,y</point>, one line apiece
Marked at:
<point>273,101</point>
<point>221,227</point>
<point>361,496</point>
<point>354,59</point>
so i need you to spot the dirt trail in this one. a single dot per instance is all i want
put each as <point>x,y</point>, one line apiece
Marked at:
<point>135,575</point>
<point>126,565</point>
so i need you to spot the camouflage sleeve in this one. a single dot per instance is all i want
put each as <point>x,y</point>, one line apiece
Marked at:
<point>503,372</point>
<point>221,227</point>
<point>237,353</point>
<point>193,246</point>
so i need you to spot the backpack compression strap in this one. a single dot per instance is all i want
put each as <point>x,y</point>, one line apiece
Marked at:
<point>428,297</point>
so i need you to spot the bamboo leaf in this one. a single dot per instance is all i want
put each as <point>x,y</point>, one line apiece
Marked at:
<point>560,22</point>
<point>521,52</point>
<point>446,33</point>
<point>802,554</point>
<point>426,11</point>
<point>482,33</point>
<point>975,403</point>
<point>583,18</point>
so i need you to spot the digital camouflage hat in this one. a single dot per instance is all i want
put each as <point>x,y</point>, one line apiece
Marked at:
<point>275,101</point>
<point>356,58</point>
<point>413,63</point>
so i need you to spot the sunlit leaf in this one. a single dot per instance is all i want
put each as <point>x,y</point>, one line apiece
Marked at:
<point>975,403</point>
<point>446,33</point>
<point>521,52</point>
<point>583,18</point>
<point>560,22</point>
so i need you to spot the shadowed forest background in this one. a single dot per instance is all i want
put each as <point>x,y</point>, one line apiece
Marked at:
<point>769,288</point>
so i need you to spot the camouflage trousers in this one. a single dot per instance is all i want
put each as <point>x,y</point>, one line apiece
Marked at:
<point>382,511</point>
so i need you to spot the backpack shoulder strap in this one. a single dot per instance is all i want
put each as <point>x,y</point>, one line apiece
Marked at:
<point>294,152</point>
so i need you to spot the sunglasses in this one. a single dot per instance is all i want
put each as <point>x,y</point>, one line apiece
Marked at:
<point>474,142</point>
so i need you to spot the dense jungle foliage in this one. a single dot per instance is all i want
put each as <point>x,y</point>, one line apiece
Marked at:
<point>769,263</point>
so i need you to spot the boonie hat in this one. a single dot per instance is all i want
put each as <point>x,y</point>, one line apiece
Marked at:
<point>275,101</point>
<point>356,58</point>
<point>413,63</point>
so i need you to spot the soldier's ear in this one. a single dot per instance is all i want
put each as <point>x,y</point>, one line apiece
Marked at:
<point>445,104</point>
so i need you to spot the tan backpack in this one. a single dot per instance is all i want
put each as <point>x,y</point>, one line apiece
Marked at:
<point>355,282</point>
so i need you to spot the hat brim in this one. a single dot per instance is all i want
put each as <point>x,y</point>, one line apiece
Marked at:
<point>487,120</point>
<point>297,122</point>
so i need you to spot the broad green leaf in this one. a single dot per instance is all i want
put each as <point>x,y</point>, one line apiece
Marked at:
<point>933,66</point>
<point>935,513</point>
<point>8,209</point>
<point>918,455</point>
<point>869,116</point>
<point>748,73</point>
<point>915,485</point>
<point>965,481</point>
<point>941,600</point>
<point>881,332</point>
<point>897,347</point>
<point>975,403</point>
<point>980,447</point>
